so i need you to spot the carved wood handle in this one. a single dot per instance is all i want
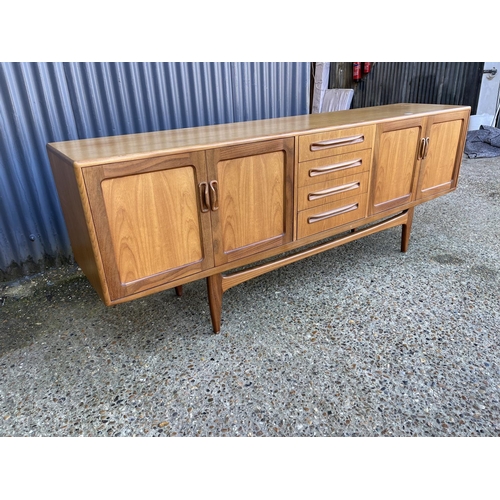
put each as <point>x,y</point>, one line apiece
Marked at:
<point>424,146</point>
<point>421,148</point>
<point>426,150</point>
<point>333,143</point>
<point>337,166</point>
<point>204,197</point>
<point>332,213</point>
<point>339,189</point>
<point>214,198</point>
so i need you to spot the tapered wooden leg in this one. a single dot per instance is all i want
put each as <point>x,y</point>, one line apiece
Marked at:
<point>405,238</point>
<point>214,287</point>
<point>178,290</point>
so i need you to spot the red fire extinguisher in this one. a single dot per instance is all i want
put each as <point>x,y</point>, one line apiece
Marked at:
<point>367,67</point>
<point>356,72</point>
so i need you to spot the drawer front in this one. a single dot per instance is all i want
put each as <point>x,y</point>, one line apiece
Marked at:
<point>330,191</point>
<point>335,142</point>
<point>331,215</point>
<point>333,167</point>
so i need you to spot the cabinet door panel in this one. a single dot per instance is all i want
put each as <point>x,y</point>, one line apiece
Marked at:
<point>396,164</point>
<point>255,198</point>
<point>148,221</point>
<point>440,167</point>
<point>143,211</point>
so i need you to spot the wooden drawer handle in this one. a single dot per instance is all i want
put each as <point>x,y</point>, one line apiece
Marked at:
<point>337,166</point>
<point>339,189</point>
<point>332,213</point>
<point>333,143</point>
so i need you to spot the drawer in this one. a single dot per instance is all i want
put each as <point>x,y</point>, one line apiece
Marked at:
<point>334,167</point>
<point>324,217</point>
<point>330,191</point>
<point>335,142</point>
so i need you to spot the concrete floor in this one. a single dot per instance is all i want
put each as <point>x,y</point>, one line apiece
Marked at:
<point>359,341</point>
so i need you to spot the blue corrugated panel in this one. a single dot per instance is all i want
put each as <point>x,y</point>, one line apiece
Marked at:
<point>48,102</point>
<point>34,110</point>
<point>124,98</point>
<point>270,90</point>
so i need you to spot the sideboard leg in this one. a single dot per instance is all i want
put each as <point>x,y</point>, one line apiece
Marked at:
<point>405,239</point>
<point>178,290</point>
<point>214,287</point>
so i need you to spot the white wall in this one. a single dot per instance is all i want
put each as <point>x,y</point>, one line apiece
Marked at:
<point>488,98</point>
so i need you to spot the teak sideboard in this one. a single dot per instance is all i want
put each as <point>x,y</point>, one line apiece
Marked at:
<point>152,211</point>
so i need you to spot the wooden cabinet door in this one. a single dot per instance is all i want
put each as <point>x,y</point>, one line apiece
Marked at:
<point>150,219</point>
<point>252,197</point>
<point>396,164</point>
<point>442,157</point>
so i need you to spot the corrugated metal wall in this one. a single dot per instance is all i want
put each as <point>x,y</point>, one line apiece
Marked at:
<point>47,102</point>
<point>426,82</point>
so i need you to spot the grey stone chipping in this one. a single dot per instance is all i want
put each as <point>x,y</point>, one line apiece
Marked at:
<point>362,340</point>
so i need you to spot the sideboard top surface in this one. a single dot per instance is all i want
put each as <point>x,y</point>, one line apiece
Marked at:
<point>105,150</point>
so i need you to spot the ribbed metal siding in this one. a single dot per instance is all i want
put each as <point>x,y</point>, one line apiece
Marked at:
<point>34,110</point>
<point>425,82</point>
<point>256,99</point>
<point>47,102</point>
<point>126,98</point>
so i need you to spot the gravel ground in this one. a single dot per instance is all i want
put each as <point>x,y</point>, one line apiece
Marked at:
<point>359,341</point>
